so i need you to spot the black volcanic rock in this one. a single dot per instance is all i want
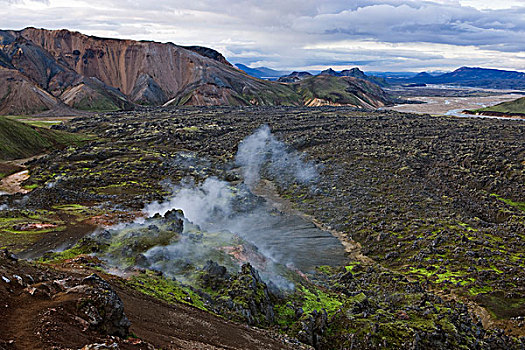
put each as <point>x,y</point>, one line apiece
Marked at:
<point>294,77</point>
<point>330,72</point>
<point>210,53</point>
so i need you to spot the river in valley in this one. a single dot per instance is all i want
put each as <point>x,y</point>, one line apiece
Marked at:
<point>450,105</point>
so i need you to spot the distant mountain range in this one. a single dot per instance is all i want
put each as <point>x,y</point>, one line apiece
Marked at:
<point>348,87</point>
<point>468,76</point>
<point>59,72</point>
<point>262,72</point>
<point>295,76</point>
<point>354,72</point>
<point>464,76</point>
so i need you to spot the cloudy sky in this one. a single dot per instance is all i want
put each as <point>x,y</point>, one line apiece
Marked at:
<point>376,35</point>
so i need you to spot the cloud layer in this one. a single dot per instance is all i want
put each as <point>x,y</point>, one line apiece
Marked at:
<point>293,34</point>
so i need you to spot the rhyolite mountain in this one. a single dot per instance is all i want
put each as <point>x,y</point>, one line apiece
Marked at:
<point>327,90</point>
<point>59,70</point>
<point>470,76</point>
<point>354,73</point>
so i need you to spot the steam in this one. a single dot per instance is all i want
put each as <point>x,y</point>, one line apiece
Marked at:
<point>228,223</point>
<point>261,152</point>
<point>199,204</point>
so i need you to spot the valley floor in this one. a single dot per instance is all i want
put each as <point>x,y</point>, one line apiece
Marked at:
<point>432,211</point>
<point>451,102</point>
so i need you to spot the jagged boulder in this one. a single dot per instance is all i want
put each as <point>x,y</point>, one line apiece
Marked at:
<point>214,276</point>
<point>243,297</point>
<point>102,307</point>
<point>313,326</point>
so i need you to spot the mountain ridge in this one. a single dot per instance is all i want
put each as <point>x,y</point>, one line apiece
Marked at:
<point>261,72</point>
<point>60,70</point>
<point>471,76</point>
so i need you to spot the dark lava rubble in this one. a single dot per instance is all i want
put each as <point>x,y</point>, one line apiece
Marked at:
<point>437,200</point>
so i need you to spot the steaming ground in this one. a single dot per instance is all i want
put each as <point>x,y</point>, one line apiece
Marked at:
<point>227,223</point>
<point>216,206</point>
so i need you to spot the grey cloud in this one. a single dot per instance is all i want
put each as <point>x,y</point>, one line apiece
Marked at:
<point>21,1</point>
<point>408,21</point>
<point>278,33</point>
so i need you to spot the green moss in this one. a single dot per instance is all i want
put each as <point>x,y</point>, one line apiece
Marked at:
<point>443,277</point>
<point>518,205</point>
<point>467,227</point>
<point>19,140</point>
<point>167,290</point>
<point>324,269</point>
<point>69,207</point>
<point>285,315</point>
<point>190,128</point>
<point>350,267</point>
<point>479,290</point>
<point>315,299</point>
<point>81,248</point>
<point>30,187</point>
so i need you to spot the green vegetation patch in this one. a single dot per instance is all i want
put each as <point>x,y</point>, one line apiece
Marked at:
<point>161,288</point>
<point>316,299</point>
<point>19,140</point>
<point>518,205</point>
<point>510,107</point>
<point>502,306</point>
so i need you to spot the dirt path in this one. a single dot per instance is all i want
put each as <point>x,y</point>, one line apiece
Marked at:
<point>268,191</point>
<point>12,183</point>
<point>23,321</point>
<point>178,326</point>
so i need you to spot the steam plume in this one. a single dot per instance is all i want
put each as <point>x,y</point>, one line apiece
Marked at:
<point>261,151</point>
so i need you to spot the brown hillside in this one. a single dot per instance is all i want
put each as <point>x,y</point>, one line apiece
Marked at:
<point>97,74</point>
<point>19,95</point>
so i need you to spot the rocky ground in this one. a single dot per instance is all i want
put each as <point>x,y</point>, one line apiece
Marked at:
<point>435,203</point>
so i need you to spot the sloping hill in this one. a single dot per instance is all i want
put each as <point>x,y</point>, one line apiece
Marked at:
<point>514,108</point>
<point>19,95</point>
<point>323,90</point>
<point>20,140</point>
